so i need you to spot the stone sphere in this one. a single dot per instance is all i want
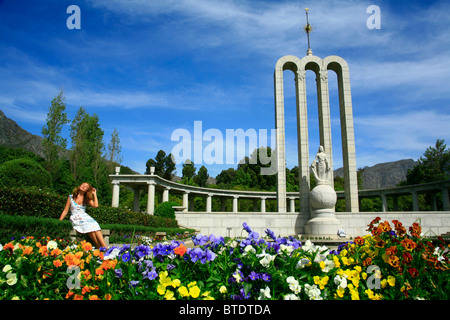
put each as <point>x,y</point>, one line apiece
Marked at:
<point>323,197</point>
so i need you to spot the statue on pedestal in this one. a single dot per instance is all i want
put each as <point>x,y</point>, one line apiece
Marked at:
<point>320,167</point>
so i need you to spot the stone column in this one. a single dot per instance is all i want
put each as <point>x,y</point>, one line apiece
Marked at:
<point>303,142</point>
<point>263,204</point>
<point>324,118</point>
<point>445,199</point>
<point>209,203</point>
<point>384,207</point>
<point>151,197</point>
<point>165,195</point>
<point>115,195</point>
<point>395,203</point>
<point>291,204</point>
<point>185,201</point>
<point>235,204</point>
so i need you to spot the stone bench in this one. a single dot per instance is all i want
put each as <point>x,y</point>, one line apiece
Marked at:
<point>76,236</point>
<point>160,236</point>
<point>179,209</point>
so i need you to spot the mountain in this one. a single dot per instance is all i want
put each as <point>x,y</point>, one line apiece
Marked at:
<point>13,136</point>
<point>383,175</point>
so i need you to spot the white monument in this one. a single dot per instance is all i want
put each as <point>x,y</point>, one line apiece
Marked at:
<point>317,202</point>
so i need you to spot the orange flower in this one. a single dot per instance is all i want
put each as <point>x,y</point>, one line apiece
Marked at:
<point>55,252</point>
<point>108,296</point>
<point>385,227</point>
<point>94,297</point>
<point>394,261</point>
<point>69,294</point>
<point>391,250</point>
<point>415,230</point>
<point>109,264</point>
<point>367,262</point>
<point>27,251</point>
<point>87,246</point>
<point>408,244</point>
<point>181,250</point>
<point>57,263</point>
<point>376,231</point>
<point>43,251</point>
<point>99,271</point>
<point>9,246</point>
<point>78,297</point>
<point>98,253</point>
<point>87,274</point>
<point>359,241</point>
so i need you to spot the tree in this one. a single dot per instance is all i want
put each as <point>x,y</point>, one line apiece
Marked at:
<point>433,166</point>
<point>86,159</point>
<point>188,172</point>
<point>164,165</point>
<point>201,177</point>
<point>114,150</point>
<point>226,177</point>
<point>53,142</point>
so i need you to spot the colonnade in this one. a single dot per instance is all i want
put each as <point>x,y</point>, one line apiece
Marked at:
<point>153,184</point>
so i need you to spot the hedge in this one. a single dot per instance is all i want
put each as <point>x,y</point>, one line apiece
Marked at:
<point>19,226</point>
<point>44,204</point>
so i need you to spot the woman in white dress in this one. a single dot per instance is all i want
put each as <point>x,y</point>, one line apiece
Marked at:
<point>77,202</point>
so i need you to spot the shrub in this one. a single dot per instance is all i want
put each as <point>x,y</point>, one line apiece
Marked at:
<point>41,203</point>
<point>23,172</point>
<point>165,210</point>
<point>18,226</point>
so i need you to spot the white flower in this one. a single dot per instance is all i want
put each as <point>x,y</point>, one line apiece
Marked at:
<point>293,285</point>
<point>7,268</point>
<point>1,247</point>
<point>112,255</point>
<point>248,249</point>
<point>313,292</point>
<point>287,249</point>
<point>328,265</point>
<point>341,281</point>
<point>11,279</point>
<point>237,276</point>
<point>309,246</point>
<point>265,261</point>
<point>52,245</point>
<point>264,293</point>
<point>291,296</point>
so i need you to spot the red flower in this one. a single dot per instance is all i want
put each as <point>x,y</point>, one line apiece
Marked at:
<point>413,272</point>
<point>181,250</point>
<point>407,257</point>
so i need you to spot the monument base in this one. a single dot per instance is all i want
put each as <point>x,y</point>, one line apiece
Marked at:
<point>323,220</point>
<point>323,226</point>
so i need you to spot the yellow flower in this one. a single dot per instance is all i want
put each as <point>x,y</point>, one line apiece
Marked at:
<point>383,283</point>
<point>340,291</point>
<point>223,289</point>
<point>372,295</point>
<point>169,295</point>
<point>391,281</point>
<point>321,281</point>
<point>161,289</point>
<point>336,262</point>
<point>192,284</point>
<point>194,292</point>
<point>176,283</point>
<point>183,291</point>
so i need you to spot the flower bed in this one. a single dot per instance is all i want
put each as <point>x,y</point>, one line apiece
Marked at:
<point>388,263</point>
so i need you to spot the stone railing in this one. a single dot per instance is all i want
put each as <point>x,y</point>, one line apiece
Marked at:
<point>153,183</point>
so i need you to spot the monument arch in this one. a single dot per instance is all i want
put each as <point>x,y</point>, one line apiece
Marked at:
<point>320,67</point>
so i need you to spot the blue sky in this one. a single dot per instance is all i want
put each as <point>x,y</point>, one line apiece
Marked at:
<point>148,68</point>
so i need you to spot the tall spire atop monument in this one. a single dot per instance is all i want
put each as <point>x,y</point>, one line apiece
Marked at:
<point>308,28</point>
